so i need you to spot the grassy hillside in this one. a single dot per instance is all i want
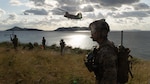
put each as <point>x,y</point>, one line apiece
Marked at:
<point>39,66</point>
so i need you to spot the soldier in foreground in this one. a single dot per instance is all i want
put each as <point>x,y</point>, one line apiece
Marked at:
<point>105,58</point>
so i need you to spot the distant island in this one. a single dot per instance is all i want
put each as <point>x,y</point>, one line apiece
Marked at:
<point>22,29</point>
<point>16,28</point>
<point>72,29</point>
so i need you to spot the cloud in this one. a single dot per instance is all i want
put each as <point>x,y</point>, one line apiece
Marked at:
<point>38,2</point>
<point>138,10</point>
<point>35,11</point>
<point>63,9</point>
<point>114,2</point>
<point>15,2</point>
<point>70,8</point>
<point>2,12</point>
<point>94,16</point>
<point>69,2</point>
<point>57,11</point>
<point>140,6</point>
<point>137,14</point>
<point>12,16</point>
<point>148,11</point>
<point>87,8</point>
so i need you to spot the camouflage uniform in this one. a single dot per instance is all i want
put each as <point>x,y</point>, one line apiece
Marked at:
<point>106,72</point>
<point>106,57</point>
<point>43,42</point>
<point>62,46</point>
<point>15,41</point>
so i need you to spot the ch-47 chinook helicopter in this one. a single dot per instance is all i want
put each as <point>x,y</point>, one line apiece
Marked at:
<point>71,16</point>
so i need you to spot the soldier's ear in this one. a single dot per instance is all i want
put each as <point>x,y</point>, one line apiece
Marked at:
<point>104,34</point>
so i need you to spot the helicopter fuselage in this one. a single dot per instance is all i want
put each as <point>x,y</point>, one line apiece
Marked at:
<point>71,16</point>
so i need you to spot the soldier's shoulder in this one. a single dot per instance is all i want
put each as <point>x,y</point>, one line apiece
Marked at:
<point>107,48</point>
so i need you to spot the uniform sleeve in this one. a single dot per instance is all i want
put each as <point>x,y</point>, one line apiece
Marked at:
<point>108,63</point>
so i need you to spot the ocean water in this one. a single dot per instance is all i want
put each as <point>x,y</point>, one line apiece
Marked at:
<point>137,41</point>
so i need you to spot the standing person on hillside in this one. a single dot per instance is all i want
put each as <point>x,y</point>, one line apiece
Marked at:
<point>105,68</point>
<point>14,41</point>
<point>62,46</point>
<point>43,42</point>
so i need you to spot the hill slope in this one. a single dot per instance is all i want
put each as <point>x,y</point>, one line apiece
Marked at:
<point>71,29</point>
<point>22,29</point>
<point>49,67</point>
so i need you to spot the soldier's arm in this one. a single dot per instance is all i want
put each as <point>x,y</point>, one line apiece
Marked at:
<point>109,66</point>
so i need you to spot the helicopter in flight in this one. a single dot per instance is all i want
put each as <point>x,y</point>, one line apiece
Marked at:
<point>71,16</point>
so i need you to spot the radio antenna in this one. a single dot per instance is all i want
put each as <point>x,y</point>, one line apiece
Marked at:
<point>121,38</point>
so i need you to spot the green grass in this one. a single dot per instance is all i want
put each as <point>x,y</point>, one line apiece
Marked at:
<point>39,66</point>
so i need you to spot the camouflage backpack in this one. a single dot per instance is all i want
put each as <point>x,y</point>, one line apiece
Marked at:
<point>124,65</point>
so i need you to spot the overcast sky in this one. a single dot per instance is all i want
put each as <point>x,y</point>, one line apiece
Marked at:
<point>46,14</point>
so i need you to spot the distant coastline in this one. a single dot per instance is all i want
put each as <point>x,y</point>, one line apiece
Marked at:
<point>58,29</point>
<point>22,29</point>
<point>16,28</point>
<point>72,29</point>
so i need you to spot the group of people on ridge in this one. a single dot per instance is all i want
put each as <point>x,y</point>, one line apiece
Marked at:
<point>30,45</point>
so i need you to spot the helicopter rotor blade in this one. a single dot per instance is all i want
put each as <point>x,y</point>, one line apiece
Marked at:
<point>62,9</point>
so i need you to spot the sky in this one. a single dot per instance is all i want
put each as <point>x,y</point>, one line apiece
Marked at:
<point>46,14</point>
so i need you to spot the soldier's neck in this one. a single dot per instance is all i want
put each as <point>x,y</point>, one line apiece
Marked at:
<point>101,41</point>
